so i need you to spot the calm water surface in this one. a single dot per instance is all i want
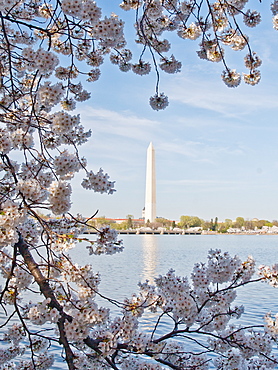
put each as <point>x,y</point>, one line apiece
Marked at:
<point>147,256</point>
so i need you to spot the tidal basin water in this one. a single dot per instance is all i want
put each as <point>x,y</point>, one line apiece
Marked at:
<point>147,256</point>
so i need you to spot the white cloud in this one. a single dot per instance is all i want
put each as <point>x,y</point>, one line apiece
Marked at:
<point>209,94</point>
<point>200,151</point>
<point>119,138</point>
<point>204,182</point>
<point>123,123</point>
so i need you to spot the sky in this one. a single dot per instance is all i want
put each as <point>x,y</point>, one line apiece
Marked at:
<point>216,147</point>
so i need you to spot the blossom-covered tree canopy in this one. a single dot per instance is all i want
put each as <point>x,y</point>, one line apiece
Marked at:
<point>48,49</point>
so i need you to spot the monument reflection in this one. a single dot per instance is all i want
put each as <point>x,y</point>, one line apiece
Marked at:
<point>150,260</point>
<point>150,257</point>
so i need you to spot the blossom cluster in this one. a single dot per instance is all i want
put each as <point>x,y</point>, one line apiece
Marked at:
<point>271,325</point>
<point>9,353</point>
<point>67,164</point>
<point>43,361</point>
<point>99,182</point>
<point>30,230</point>
<point>65,232</point>
<point>92,36</point>
<point>14,334</point>
<point>64,128</point>
<point>59,197</point>
<point>159,101</point>
<point>203,305</point>
<point>11,216</point>
<point>41,313</point>
<point>43,60</point>
<point>269,274</point>
<point>106,243</point>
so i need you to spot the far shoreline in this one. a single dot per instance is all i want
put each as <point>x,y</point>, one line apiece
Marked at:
<point>170,232</point>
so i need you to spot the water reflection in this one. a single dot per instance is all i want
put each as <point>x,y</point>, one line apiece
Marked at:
<point>150,257</point>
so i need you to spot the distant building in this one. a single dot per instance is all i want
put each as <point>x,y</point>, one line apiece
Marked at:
<point>143,213</point>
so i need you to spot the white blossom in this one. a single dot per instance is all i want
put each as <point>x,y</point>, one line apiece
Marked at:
<point>41,313</point>
<point>170,65</point>
<point>107,242</point>
<point>252,78</point>
<point>98,182</point>
<point>158,102</point>
<point>192,32</point>
<point>59,197</point>
<point>252,18</point>
<point>231,78</point>
<point>141,68</point>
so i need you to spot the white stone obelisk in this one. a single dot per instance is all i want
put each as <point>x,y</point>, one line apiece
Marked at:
<point>150,197</point>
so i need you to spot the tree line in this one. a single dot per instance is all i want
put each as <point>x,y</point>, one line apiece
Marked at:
<point>185,222</point>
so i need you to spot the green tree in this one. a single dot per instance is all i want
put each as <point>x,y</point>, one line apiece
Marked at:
<point>129,223</point>
<point>216,223</point>
<point>213,225</point>
<point>228,223</point>
<point>248,225</point>
<point>275,222</point>
<point>260,223</point>
<point>190,221</point>
<point>224,226</point>
<point>102,221</point>
<point>163,222</point>
<point>240,222</point>
<point>117,226</point>
<point>184,222</point>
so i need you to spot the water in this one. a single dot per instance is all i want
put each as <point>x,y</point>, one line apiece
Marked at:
<point>147,256</point>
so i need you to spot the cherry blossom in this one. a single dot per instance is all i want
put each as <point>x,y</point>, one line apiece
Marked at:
<point>49,51</point>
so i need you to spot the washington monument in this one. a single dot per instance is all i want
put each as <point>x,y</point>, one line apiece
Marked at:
<point>150,197</point>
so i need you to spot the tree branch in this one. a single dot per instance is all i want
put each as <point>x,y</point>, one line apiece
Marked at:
<point>48,293</point>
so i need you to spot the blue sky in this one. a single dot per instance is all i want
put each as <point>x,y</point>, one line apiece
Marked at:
<point>216,147</point>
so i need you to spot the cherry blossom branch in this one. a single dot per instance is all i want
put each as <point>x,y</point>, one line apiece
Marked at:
<point>48,293</point>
